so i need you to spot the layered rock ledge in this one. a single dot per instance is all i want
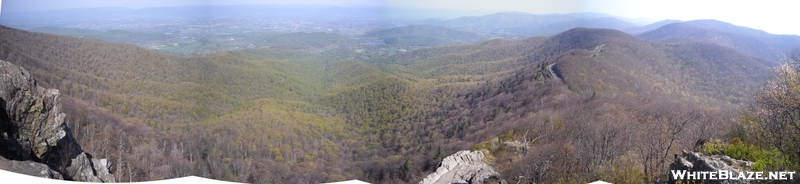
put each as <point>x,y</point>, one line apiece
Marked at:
<point>34,139</point>
<point>464,167</point>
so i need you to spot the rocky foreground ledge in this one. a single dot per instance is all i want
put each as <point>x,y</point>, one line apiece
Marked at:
<point>694,161</point>
<point>34,138</point>
<point>464,167</point>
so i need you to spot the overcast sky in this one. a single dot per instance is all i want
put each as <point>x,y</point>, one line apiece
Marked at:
<point>774,16</point>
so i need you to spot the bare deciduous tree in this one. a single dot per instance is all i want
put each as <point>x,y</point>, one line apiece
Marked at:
<point>777,110</point>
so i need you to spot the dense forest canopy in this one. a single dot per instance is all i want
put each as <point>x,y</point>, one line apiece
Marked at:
<point>578,105</point>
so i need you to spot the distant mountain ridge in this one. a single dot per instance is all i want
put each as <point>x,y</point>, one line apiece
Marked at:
<point>505,20</point>
<point>767,47</point>
<point>520,25</point>
<point>649,27</point>
<point>424,35</point>
<point>782,42</point>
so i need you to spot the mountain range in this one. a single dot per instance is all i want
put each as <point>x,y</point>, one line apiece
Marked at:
<point>752,42</point>
<point>521,25</point>
<point>557,98</point>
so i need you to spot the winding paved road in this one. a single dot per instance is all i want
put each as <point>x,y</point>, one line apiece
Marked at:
<point>553,72</point>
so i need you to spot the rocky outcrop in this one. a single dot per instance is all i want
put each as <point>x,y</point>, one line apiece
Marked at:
<point>102,168</point>
<point>30,168</point>
<point>33,131</point>
<point>464,167</point>
<point>694,161</point>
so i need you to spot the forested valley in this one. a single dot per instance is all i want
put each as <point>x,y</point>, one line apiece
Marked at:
<point>579,106</point>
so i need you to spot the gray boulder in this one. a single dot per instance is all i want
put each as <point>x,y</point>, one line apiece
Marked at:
<point>30,168</point>
<point>102,168</point>
<point>694,161</point>
<point>464,167</point>
<point>33,129</point>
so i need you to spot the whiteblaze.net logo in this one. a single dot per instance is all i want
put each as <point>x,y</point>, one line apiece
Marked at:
<point>728,175</point>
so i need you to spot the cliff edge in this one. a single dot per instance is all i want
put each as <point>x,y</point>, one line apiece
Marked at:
<point>35,139</point>
<point>464,167</point>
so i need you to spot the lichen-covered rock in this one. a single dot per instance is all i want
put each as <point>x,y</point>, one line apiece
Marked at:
<point>464,167</point>
<point>33,129</point>
<point>24,119</point>
<point>693,161</point>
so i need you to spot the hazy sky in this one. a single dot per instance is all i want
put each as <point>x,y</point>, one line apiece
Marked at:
<point>774,16</point>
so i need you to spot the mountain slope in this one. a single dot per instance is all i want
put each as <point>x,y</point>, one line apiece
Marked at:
<point>784,43</point>
<point>680,64</point>
<point>161,99</point>
<point>295,115</point>
<point>580,49</point>
<point>612,83</point>
<point>682,32</point>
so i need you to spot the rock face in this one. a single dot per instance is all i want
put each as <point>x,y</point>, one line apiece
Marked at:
<point>30,168</point>
<point>464,167</point>
<point>33,131</point>
<point>693,161</point>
